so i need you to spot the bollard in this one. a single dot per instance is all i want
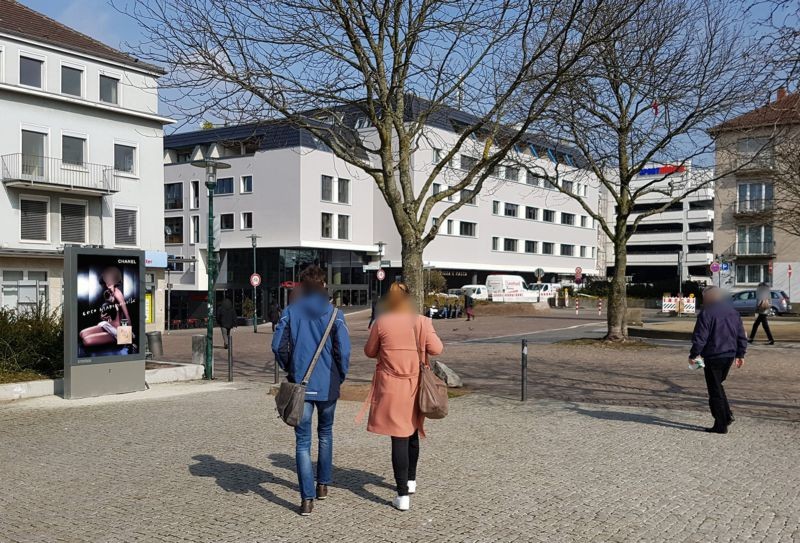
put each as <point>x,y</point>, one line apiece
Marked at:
<point>577,306</point>
<point>524,391</point>
<point>599,307</point>
<point>276,372</point>
<point>198,349</point>
<point>230,356</point>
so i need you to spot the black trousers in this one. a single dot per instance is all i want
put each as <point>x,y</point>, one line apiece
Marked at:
<point>762,320</point>
<point>716,372</point>
<point>405,454</point>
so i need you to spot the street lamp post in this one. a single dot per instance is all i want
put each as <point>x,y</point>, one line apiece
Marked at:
<point>210,166</point>
<point>254,240</point>
<point>381,245</point>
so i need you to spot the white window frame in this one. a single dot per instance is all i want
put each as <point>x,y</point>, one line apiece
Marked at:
<point>241,184</point>
<point>113,75</point>
<point>32,55</point>
<point>241,220</point>
<point>41,130</point>
<point>333,218</point>
<point>85,204</point>
<point>38,198</point>
<point>74,66</point>
<point>191,196</point>
<point>349,226</point>
<point>193,241</point>
<point>474,223</point>
<point>78,135</point>
<point>138,225</point>
<point>121,173</point>
<point>349,191</point>
<point>233,228</point>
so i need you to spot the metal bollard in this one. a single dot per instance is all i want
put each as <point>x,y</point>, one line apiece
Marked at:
<point>230,356</point>
<point>276,371</point>
<point>524,391</point>
<point>577,306</point>
<point>599,307</point>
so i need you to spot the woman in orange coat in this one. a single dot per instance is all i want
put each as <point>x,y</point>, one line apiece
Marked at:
<point>394,410</point>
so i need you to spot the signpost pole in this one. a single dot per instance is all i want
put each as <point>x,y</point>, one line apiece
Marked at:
<point>524,370</point>
<point>254,241</point>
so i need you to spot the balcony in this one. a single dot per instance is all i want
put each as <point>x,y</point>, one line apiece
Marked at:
<point>754,207</point>
<point>764,162</point>
<point>53,174</point>
<point>755,248</point>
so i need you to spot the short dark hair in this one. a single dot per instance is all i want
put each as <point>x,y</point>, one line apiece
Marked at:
<point>313,278</point>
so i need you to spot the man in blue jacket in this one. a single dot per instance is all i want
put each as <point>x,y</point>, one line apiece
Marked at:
<point>296,339</point>
<point>720,339</point>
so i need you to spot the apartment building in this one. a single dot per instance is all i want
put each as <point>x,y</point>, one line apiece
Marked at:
<point>750,147</point>
<point>307,206</point>
<point>80,157</point>
<point>676,244</point>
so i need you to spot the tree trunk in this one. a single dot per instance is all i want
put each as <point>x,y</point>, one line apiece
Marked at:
<point>412,268</point>
<point>618,298</point>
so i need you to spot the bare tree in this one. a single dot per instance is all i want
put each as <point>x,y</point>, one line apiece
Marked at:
<point>322,65</point>
<point>676,69</point>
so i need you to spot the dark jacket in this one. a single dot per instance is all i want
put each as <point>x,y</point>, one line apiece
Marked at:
<point>295,342</point>
<point>226,314</point>
<point>719,332</point>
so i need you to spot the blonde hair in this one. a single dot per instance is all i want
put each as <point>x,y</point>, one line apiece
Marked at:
<point>398,299</point>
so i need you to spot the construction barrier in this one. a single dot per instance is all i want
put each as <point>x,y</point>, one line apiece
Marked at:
<point>577,305</point>
<point>670,304</point>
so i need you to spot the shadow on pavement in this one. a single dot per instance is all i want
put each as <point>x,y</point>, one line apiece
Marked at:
<point>635,417</point>
<point>241,478</point>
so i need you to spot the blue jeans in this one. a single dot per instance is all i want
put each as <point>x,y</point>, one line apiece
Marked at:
<point>305,472</point>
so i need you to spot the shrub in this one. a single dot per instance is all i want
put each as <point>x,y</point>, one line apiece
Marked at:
<point>32,340</point>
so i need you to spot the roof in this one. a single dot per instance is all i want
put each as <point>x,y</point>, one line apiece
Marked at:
<point>785,110</point>
<point>24,22</point>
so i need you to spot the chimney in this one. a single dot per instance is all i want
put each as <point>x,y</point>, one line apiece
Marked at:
<point>781,93</point>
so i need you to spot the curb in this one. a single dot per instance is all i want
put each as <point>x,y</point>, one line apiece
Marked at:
<point>659,334</point>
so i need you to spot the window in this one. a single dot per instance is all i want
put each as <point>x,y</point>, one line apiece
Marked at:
<point>510,245</point>
<point>435,221</point>
<point>73,150</point>
<point>125,226</point>
<point>530,246</point>
<point>194,235</point>
<point>532,213</point>
<point>246,184</point>
<point>467,229</point>
<point>468,162</point>
<point>343,231</point>
<point>754,240</point>
<point>568,218</point>
<point>567,250</point>
<point>549,185</point>
<point>532,179</point>
<point>495,243</point>
<point>468,196</point>
<point>568,186</point>
<point>194,189</point>
<point>71,81</point>
<point>34,219</point>
<point>73,222</point>
<point>437,155</point>
<point>17,293</point>
<point>584,221</point>
<point>754,197</point>
<point>327,188</point>
<point>548,215</point>
<point>583,251</point>
<point>343,191</point>
<point>173,196</point>
<point>224,186</point>
<point>754,153</point>
<point>124,158</point>
<point>33,151</point>
<point>511,210</point>
<point>547,248</point>
<point>450,226</point>
<point>327,226</point>
<point>752,274</point>
<point>247,220</point>
<point>437,188</point>
<point>512,174</point>
<point>226,221</point>
<point>173,230</point>
<point>108,89</point>
<point>495,207</point>
<point>182,157</point>
<point>30,72</point>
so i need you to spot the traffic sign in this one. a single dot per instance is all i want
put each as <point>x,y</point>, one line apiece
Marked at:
<point>255,280</point>
<point>539,273</point>
<point>789,270</point>
<point>380,274</point>
<point>715,267</point>
<point>726,267</point>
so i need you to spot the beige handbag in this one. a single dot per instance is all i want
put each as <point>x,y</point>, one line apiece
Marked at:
<point>432,392</point>
<point>124,334</point>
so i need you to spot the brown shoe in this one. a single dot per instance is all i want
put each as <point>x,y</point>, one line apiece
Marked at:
<point>306,507</point>
<point>322,492</point>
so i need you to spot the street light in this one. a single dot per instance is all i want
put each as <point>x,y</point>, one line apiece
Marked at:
<point>210,166</point>
<point>254,240</point>
<point>381,245</point>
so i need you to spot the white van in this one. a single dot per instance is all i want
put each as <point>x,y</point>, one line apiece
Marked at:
<point>478,292</point>
<point>510,288</point>
<point>546,290</point>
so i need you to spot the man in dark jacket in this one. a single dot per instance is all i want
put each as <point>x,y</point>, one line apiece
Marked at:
<point>720,339</point>
<point>296,339</point>
<point>226,317</point>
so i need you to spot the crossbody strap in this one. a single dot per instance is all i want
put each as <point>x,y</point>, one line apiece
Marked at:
<point>321,346</point>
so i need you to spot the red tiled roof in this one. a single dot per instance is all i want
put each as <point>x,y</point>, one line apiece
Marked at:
<point>24,22</point>
<point>785,110</point>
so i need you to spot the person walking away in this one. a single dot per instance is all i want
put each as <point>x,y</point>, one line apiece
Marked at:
<point>763,307</point>
<point>296,339</point>
<point>226,316</point>
<point>274,315</point>
<point>469,305</point>
<point>718,337</point>
<point>398,339</point>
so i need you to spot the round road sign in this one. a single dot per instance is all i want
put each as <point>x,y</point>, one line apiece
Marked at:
<point>255,280</point>
<point>539,273</point>
<point>714,267</point>
<point>578,270</point>
<point>380,274</point>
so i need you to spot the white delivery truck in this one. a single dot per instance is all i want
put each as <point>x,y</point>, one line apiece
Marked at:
<point>546,290</point>
<point>510,288</point>
<point>478,292</point>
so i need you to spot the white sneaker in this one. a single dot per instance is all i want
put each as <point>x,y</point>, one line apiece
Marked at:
<point>402,503</point>
<point>412,487</point>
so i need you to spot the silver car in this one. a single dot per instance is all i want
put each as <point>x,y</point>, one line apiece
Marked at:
<point>746,302</point>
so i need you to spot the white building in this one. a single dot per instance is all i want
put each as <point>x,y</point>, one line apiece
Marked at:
<point>683,233</point>
<point>308,206</point>
<point>80,156</point>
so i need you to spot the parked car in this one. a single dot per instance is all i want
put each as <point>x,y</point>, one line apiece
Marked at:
<point>746,302</point>
<point>478,292</point>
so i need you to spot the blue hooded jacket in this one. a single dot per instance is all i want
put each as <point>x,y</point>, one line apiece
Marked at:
<point>297,337</point>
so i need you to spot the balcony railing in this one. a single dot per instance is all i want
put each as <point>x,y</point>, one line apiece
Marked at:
<point>762,162</point>
<point>755,248</point>
<point>55,173</point>
<point>759,205</point>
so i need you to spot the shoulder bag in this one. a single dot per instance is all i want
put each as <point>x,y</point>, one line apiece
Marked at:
<point>291,397</point>
<point>432,391</point>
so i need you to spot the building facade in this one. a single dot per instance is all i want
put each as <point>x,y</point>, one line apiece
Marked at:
<point>677,244</point>
<point>751,147</point>
<point>80,154</point>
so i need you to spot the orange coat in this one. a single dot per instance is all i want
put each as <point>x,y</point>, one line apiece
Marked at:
<point>394,410</point>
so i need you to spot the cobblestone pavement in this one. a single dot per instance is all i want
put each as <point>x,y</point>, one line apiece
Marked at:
<point>213,464</point>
